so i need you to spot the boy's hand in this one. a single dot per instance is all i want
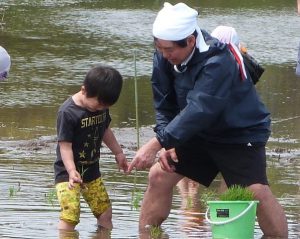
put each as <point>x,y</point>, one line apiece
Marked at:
<point>121,161</point>
<point>74,177</point>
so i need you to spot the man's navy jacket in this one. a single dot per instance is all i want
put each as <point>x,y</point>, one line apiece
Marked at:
<point>209,101</point>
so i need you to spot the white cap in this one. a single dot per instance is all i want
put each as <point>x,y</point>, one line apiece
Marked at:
<point>176,22</point>
<point>4,63</point>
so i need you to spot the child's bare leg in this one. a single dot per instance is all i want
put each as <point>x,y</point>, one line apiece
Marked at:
<point>62,225</point>
<point>63,234</point>
<point>105,219</point>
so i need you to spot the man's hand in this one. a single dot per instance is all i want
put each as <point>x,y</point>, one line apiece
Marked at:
<point>145,156</point>
<point>167,158</point>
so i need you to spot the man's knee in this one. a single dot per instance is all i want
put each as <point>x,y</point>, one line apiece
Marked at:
<point>261,191</point>
<point>162,180</point>
<point>156,175</point>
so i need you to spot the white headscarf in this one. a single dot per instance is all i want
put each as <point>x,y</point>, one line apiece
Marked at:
<point>229,36</point>
<point>4,63</point>
<point>176,22</point>
<point>226,34</point>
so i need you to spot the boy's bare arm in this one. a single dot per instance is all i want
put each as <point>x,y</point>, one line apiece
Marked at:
<point>68,160</point>
<point>111,142</point>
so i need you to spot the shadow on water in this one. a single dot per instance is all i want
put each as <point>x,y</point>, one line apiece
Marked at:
<point>52,45</point>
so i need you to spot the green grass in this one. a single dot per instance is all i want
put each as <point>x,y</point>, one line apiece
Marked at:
<point>237,193</point>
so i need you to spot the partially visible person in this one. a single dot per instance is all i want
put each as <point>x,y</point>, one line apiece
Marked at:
<point>190,203</point>
<point>5,63</point>
<point>228,35</point>
<point>298,62</point>
<point>82,124</point>
<point>209,119</point>
<point>189,192</point>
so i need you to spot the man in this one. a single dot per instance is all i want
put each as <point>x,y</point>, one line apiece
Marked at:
<point>209,119</point>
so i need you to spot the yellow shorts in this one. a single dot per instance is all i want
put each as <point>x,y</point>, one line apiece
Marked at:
<point>94,193</point>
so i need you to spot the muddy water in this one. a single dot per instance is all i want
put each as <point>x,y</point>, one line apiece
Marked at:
<point>52,45</point>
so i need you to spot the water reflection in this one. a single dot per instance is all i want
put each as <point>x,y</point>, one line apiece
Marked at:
<point>53,43</point>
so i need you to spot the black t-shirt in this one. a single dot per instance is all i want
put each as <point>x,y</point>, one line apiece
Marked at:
<point>85,130</point>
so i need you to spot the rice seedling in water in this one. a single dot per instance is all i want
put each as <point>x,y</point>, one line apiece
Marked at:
<point>155,232</point>
<point>13,191</point>
<point>51,196</point>
<point>189,202</point>
<point>136,199</point>
<point>207,195</point>
<point>136,196</point>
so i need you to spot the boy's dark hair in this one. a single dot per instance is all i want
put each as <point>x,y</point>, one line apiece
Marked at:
<point>103,82</point>
<point>183,42</point>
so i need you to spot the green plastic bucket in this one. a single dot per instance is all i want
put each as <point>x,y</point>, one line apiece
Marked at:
<point>232,219</point>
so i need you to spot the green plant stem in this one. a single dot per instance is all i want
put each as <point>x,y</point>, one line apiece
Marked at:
<point>136,124</point>
<point>136,103</point>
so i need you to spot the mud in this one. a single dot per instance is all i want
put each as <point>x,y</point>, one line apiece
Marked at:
<point>128,140</point>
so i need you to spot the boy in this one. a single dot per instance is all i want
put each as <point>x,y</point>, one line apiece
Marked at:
<point>82,124</point>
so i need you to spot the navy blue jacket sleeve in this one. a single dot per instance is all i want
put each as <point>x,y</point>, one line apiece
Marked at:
<point>205,101</point>
<point>165,104</point>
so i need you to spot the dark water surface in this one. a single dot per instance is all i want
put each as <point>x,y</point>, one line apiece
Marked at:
<point>53,43</point>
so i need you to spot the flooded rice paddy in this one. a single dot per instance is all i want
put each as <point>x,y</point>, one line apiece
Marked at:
<point>53,44</point>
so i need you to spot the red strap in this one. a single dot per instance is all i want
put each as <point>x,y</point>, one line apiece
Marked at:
<point>238,60</point>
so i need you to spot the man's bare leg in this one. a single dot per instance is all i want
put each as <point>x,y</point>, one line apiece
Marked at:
<point>157,200</point>
<point>270,214</point>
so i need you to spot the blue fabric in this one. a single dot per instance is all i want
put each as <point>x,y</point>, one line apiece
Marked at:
<point>208,101</point>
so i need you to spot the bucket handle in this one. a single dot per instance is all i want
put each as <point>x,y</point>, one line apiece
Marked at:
<point>231,219</point>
